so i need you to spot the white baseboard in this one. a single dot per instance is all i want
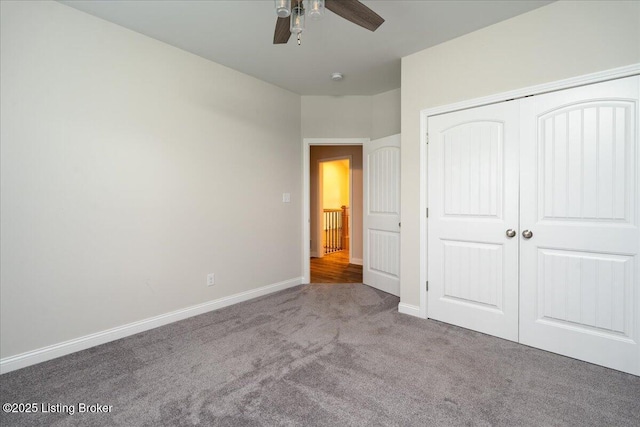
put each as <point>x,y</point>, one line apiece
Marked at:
<point>356,261</point>
<point>43,354</point>
<point>411,310</point>
<point>313,254</point>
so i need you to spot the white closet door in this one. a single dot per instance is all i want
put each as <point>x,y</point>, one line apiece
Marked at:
<point>580,292</point>
<point>473,201</point>
<point>381,222</point>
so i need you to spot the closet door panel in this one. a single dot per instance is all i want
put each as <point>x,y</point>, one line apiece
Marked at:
<point>579,283</point>
<point>473,200</point>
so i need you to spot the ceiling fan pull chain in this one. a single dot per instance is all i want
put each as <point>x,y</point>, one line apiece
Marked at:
<point>300,33</point>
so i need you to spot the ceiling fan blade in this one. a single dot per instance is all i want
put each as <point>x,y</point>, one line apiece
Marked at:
<point>356,12</point>
<point>282,32</point>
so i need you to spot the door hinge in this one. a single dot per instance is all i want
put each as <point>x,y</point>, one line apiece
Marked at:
<point>426,137</point>
<point>427,212</point>
<point>427,286</point>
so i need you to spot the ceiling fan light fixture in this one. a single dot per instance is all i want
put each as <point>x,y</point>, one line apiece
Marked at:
<point>351,10</point>
<point>315,9</point>
<point>297,19</point>
<point>283,8</point>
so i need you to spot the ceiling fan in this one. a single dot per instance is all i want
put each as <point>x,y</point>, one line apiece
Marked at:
<point>292,13</point>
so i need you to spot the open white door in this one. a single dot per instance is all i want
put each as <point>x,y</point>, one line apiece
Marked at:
<point>381,221</point>
<point>473,219</point>
<point>580,238</point>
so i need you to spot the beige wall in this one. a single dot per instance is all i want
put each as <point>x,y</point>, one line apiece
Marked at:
<point>319,152</point>
<point>561,40</point>
<point>336,116</point>
<point>385,114</point>
<point>129,170</point>
<point>372,117</point>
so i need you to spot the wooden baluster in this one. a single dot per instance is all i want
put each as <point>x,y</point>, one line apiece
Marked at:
<point>333,231</point>
<point>345,227</point>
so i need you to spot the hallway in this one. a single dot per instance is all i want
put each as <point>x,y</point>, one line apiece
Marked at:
<point>335,268</point>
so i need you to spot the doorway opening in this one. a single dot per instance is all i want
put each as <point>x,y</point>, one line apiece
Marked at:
<point>335,207</point>
<point>334,203</point>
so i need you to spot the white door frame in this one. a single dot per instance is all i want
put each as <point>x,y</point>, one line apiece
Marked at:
<point>306,196</point>
<point>320,205</point>
<point>600,76</point>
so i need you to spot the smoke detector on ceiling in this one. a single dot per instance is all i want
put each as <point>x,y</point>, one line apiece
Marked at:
<point>336,77</point>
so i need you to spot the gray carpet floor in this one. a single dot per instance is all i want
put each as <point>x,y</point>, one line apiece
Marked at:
<point>322,355</point>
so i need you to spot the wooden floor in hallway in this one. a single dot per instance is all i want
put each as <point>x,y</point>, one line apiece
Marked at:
<point>335,268</point>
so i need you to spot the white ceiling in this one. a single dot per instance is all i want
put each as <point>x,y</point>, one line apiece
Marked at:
<point>239,34</point>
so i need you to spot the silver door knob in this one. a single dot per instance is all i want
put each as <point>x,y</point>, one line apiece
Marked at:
<point>511,233</point>
<point>527,234</point>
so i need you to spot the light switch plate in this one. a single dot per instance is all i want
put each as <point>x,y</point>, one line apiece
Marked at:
<point>286,197</point>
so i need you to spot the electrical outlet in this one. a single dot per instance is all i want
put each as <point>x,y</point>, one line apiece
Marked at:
<point>211,279</point>
<point>286,197</point>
